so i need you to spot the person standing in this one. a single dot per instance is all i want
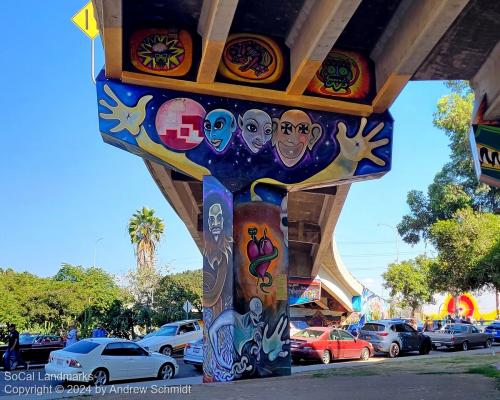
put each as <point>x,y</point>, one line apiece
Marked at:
<point>99,331</point>
<point>72,336</point>
<point>427,325</point>
<point>11,356</point>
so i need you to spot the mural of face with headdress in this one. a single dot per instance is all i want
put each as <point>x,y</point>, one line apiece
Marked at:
<point>218,127</point>
<point>256,129</point>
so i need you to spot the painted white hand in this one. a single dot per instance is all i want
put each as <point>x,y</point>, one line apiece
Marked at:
<point>273,345</point>
<point>129,118</point>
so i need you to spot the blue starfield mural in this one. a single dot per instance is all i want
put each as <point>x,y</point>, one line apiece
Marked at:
<point>241,142</point>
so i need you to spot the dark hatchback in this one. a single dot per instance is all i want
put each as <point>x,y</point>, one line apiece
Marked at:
<point>34,348</point>
<point>394,337</point>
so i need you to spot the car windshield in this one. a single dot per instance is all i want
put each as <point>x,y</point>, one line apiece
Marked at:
<point>82,347</point>
<point>455,328</point>
<point>373,327</point>
<point>169,330</point>
<point>26,338</point>
<point>309,333</point>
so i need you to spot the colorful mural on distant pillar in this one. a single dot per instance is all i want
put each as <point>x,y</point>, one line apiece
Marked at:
<point>344,74</point>
<point>485,144</point>
<point>464,305</point>
<point>245,267</point>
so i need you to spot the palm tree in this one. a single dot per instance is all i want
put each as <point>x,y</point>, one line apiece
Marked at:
<point>145,230</point>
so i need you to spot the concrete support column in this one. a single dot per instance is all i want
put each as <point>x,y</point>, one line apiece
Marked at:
<point>245,285</point>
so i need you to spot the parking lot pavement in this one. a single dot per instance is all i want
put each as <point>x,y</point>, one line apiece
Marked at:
<point>32,382</point>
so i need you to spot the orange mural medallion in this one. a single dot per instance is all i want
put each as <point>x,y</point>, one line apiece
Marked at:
<point>342,74</point>
<point>251,58</point>
<point>166,52</point>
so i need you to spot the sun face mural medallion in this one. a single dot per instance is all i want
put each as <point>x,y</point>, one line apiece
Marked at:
<point>343,74</point>
<point>251,58</point>
<point>166,52</point>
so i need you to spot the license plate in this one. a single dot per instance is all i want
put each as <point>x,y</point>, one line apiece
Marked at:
<point>196,350</point>
<point>437,344</point>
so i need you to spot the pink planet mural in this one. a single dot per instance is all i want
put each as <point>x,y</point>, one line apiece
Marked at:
<point>179,123</point>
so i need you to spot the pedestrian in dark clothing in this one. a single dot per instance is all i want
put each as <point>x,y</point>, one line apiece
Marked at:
<point>11,356</point>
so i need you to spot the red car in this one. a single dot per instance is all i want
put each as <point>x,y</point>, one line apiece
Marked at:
<point>328,343</point>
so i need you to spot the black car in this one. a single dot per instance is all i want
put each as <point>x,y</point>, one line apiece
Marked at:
<point>35,348</point>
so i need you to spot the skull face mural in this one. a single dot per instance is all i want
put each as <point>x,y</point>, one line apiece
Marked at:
<point>293,134</point>
<point>256,129</point>
<point>219,126</point>
<point>215,220</point>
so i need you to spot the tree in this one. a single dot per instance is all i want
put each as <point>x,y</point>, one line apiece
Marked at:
<point>408,282</point>
<point>145,230</point>
<point>468,252</point>
<point>455,186</point>
<point>173,291</point>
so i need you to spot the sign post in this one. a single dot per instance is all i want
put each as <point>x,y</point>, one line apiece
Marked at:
<point>187,307</point>
<point>85,20</point>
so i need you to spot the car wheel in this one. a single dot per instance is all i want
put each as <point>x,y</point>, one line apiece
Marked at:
<point>166,351</point>
<point>487,344</point>
<point>425,348</point>
<point>166,371</point>
<point>465,346</point>
<point>365,354</point>
<point>100,377</point>
<point>394,350</point>
<point>326,358</point>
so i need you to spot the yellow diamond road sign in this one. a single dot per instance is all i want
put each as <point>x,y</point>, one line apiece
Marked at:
<point>85,20</point>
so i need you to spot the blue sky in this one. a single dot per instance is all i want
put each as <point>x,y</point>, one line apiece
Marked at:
<point>65,194</point>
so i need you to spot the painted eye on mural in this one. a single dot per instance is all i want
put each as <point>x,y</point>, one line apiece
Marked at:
<point>286,128</point>
<point>252,128</point>
<point>219,124</point>
<point>207,125</point>
<point>284,221</point>
<point>268,130</point>
<point>343,71</point>
<point>304,128</point>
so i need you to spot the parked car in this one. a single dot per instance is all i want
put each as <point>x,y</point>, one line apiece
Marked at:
<point>461,337</point>
<point>494,330</point>
<point>101,360</point>
<point>172,337</point>
<point>394,337</point>
<point>35,348</point>
<point>193,354</point>
<point>326,344</point>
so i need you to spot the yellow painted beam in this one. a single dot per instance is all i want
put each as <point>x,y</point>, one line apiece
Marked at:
<point>214,24</point>
<point>248,93</point>
<point>109,20</point>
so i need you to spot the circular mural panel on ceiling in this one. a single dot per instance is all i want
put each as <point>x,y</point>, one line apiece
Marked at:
<point>251,58</point>
<point>166,52</point>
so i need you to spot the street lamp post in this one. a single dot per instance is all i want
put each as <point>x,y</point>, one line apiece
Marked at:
<point>95,249</point>
<point>396,236</point>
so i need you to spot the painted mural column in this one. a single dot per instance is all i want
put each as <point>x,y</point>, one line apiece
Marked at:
<point>245,267</point>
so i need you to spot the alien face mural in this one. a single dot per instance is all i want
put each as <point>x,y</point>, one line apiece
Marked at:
<point>256,129</point>
<point>219,126</point>
<point>307,148</point>
<point>294,134</point>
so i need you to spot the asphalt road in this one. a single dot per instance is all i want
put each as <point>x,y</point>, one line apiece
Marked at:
<point>32,382</point>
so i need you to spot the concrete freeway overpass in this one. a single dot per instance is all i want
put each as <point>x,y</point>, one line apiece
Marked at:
<point>391,43</point>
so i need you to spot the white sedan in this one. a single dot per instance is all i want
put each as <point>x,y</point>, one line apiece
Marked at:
<point>101,360</point>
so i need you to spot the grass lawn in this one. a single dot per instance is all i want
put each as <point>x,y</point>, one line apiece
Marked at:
<point>463,364</point>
